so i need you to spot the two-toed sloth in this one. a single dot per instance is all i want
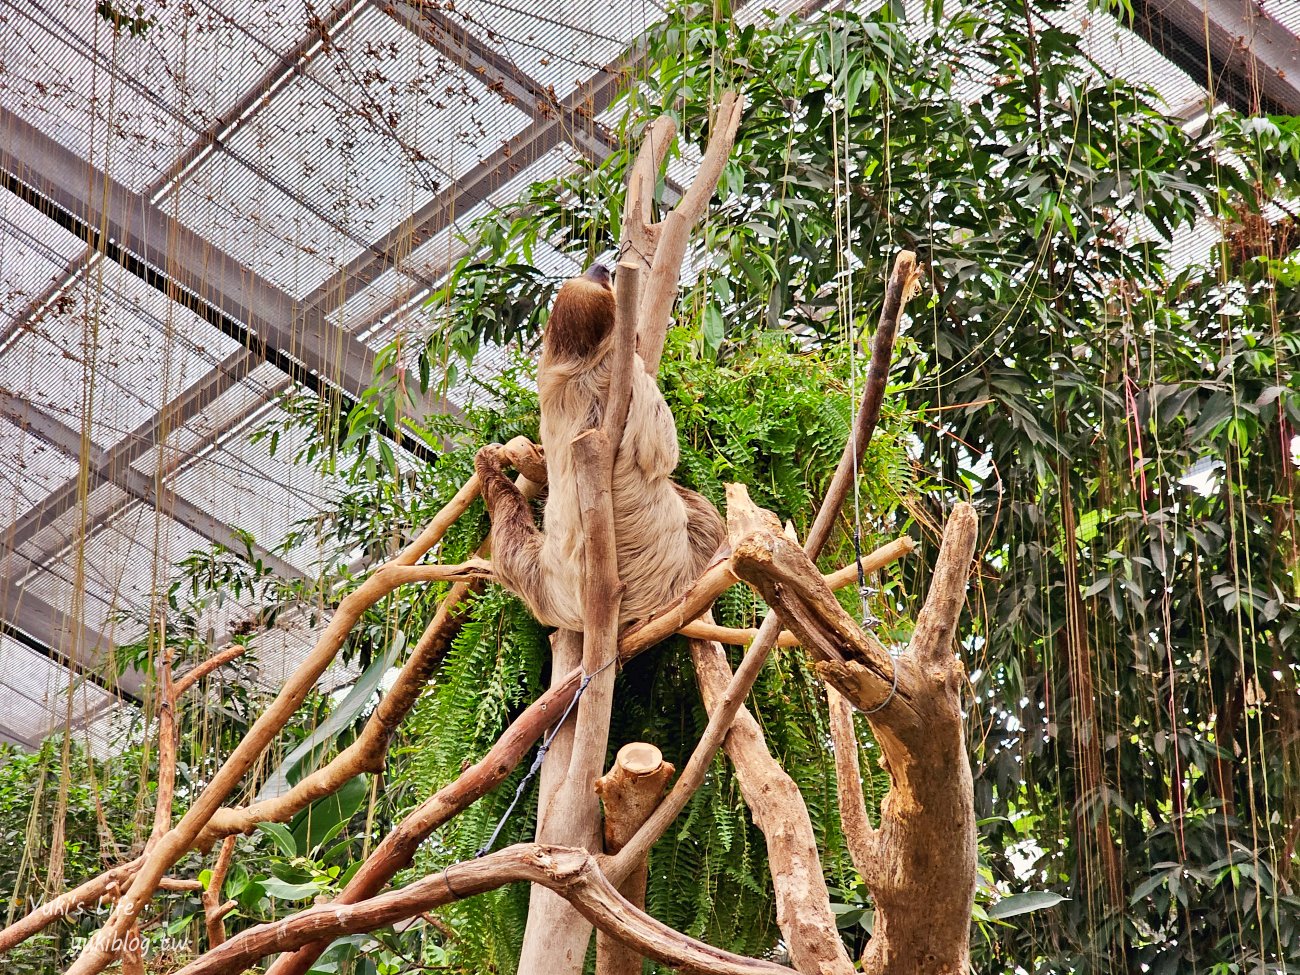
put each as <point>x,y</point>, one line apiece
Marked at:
<point>664,534</point>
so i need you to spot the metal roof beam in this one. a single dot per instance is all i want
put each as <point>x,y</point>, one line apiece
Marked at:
<point>55,634</point>
<point>298,338</point>
<point>129,449</point>
<point>501,75</point>
<point>1247,58</point>
<point>586,102</point>
<point>142,487</point>
<point>12,737</point>
<point>176,260</point>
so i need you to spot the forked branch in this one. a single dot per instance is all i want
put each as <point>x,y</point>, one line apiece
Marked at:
<point>574,874</point>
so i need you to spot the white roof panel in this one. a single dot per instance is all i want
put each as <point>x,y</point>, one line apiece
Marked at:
<point>140,348</point>
<point>35,254</point>
<point>132,103</point>
<point>560,45</point>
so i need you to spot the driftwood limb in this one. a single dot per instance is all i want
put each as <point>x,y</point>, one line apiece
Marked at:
<point>573,873</point>
<point>729,699</point>
<point>927,832</point>
<point>131,952</point>
<point>168,744</point>
<point>397,849</point>
<point>368,753</point>
<point>851,660</point>
<point>629,792</point>
<point>556,936</point>
<point>923,852</point>
<point>803,910</point>
<point>902,281</point>
<point>200,670</point>
<point>640,235</point>
<point>85,896</point>
<point>859,834</point>
<point>545,905</point>
<point>554,940</point>
<point>672,235</point>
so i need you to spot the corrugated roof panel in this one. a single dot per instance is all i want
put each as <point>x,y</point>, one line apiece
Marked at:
<point>57,56</point>
<point>403,121</point>
<point>32,691</point>
<point>237,408</point>
<point>60,535</point>
<point>56,587</point>
<point>242,484</point>
<point>35,253</point>
<point>561,46</point>
<point>239,212</point>
<point>24,718</point>
<point>435,119</point>
<point>1120,53</point>
<point>433,259</point>
<point>29,470</point>
<point>147,350</point>
<point>132,104</point>
<point>365,309</point>
<point>125,561</point>
<point>1285,12</point>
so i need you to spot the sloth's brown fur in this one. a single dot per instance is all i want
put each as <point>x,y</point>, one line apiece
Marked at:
<point>664,534</point>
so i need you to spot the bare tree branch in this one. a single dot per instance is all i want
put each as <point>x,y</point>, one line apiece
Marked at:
<point>178,840</point>
<point>803,908</point>
<point>859,834</point>
<point>673,233</point>
<point>574,874</point>
<point>214,911</point>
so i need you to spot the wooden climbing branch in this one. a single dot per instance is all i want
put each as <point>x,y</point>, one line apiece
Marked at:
<point>231,651</point>
<point>397,849</point>
<point>671,235</point>
<point>902,283</point>
<point>214,908</point>
<point>575,874</point>
<point>369,752</point>
<point>859,834</point>
<point>923,852</point>
<point>554,938</point>
<point>180,838</point>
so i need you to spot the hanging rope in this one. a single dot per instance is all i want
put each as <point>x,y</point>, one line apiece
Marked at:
<point>537,761</point>
<point>844,231</point>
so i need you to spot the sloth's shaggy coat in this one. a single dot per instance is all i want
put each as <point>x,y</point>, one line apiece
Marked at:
<point>664,534</point>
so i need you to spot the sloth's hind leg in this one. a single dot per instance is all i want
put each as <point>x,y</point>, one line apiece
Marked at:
<point>705,530</point>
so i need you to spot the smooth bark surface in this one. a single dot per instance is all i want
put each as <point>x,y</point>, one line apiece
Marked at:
<point>920,862</point>
<point>803,903</point>
<point>629,791</point>
<point>574,873</point>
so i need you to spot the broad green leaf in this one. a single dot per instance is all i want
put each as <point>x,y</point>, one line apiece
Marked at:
<point>1024,903</point>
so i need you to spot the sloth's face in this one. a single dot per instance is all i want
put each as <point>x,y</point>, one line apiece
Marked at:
<point>600,274</point>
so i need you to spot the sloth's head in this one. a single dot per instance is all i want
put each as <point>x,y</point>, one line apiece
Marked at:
<point>581,317</point>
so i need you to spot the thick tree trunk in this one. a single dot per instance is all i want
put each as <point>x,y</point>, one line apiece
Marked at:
<point>920,863</point>
<point>556,935</point>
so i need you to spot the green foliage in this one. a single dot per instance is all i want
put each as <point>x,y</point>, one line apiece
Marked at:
<point>1064,372</point>
<point>1067,375</point>
<point>776,419</point>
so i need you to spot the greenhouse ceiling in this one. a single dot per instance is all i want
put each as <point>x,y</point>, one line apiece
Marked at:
<point>247,194</point>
